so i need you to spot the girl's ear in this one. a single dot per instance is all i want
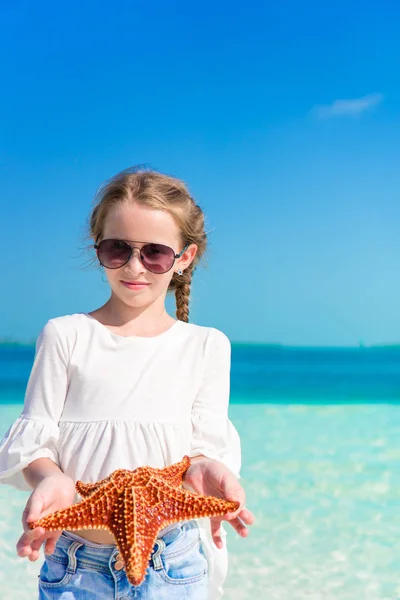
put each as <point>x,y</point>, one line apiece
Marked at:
<point>187,257</point>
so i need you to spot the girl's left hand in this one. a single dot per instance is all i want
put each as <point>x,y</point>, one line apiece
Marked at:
<point>212,478</point>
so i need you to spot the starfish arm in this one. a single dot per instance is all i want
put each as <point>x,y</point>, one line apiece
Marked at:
<point>135,532</point>
<point>144,510</point>
<point>174,473</point>
<point>90,513</point>
<point>87,489</point>
<point>174,505</point>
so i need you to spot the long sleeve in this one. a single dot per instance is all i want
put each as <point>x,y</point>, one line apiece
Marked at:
<point>213,434</point>
<point>35,432</point>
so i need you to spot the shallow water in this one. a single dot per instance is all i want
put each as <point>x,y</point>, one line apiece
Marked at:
<point>320,431</point>
<point>324,484</point>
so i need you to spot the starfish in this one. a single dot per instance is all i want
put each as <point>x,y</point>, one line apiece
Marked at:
<point>135,506</point>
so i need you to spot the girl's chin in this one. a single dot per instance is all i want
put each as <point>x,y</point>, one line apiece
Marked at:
<point>132,298</point>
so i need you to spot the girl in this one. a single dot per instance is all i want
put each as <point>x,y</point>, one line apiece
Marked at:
<point>124,386</point>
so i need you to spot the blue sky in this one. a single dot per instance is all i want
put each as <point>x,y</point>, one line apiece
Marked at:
<point>283,119</point>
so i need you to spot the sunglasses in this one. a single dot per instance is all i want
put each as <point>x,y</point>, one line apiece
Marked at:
<point>156,258</point>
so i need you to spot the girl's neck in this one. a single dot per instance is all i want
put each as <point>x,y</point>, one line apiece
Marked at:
<point>140,322</point>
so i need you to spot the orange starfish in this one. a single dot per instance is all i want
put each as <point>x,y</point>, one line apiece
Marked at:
<point>134,506</point>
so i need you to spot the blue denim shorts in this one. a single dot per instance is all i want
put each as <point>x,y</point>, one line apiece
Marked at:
<point>83,570</point>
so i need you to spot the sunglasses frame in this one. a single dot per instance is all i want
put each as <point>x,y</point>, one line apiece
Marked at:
<point>132,248</point>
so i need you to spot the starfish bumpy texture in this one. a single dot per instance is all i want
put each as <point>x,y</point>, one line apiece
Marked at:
<point>135,506</point>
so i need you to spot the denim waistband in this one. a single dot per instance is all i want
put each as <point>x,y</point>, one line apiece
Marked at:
<point>102,554</point>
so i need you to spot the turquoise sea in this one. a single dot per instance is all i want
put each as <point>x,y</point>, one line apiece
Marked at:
<point>320,431</point>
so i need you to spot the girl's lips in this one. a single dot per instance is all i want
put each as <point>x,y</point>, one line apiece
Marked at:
<point>133,285</point>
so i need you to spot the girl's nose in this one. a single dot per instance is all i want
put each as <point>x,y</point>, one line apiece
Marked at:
<point>135,261</point>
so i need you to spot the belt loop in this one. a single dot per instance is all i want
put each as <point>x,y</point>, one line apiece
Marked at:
<point>156,558</point>
<point>72,556</point>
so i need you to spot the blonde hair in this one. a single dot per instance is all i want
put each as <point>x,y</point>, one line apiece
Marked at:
<point>150,188</point>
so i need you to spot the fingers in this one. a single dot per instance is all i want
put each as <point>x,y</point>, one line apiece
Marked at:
<point>216,532</point>
<point>245,515</point>
<point>51,542</point>
<point>32,511</point>
<point>31,540</point>
<point>234,491</point>
<point>237,496</point>
<point>240,518</point>
<point>29,547</point>
<point>27,537</point>
<point>240,521</point>
<point>24,544</point>
<point>35,549</point>
<point>239,526</point>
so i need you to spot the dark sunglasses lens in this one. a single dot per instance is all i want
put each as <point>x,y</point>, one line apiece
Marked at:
<point>157,258</point>
<point>114,253</point>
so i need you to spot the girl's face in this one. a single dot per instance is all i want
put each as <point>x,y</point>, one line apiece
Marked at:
<point>137,225</point>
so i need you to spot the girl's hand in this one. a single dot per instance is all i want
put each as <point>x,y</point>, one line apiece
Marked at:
<point>212,478</point>
<point>53,493</point>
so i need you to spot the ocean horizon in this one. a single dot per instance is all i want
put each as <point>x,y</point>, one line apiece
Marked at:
<point>263,373</point>
<point>320,434</point>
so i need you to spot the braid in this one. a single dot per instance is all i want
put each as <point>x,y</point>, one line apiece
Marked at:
<point>182,293</point>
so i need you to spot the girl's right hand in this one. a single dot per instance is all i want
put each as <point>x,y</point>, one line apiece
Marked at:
<point>53,493</point>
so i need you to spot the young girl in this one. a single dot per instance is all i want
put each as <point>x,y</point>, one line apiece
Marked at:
<point>124,386</point>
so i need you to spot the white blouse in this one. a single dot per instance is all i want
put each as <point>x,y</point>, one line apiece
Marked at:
<point>97,401</point>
